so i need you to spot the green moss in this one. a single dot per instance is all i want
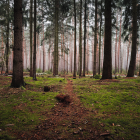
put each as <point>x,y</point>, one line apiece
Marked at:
<point>25,108</point>
<point>116,104</point>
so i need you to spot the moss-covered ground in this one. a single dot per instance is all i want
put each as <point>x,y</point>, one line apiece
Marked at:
<point>22,108</point>
<point>100,109</point>
<point>115,104</point>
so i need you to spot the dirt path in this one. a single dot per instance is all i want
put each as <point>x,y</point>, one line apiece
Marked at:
<point>70,122</point>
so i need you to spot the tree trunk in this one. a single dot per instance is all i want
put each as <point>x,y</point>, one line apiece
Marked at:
<point>103,50</point>
<point>34,57</point>
<point>128,52</point>
<point>43,51</point>
<point>95,40</point>
<point>84,64</point>
<point>119,58</point>
<point>55,69</point>
<point>7,39</point>
<point>2,46</point>
<point>17,79</point>
<point>64,51</point>
<point>107,65</point>
<point>74,73</point>
<point>134,41</point>
<point>80,39</point>
<point>71,53</point>
<point>87,47</point>
<point>23,47</point>
<point>31,45</point>
<point>67,57</point>
<point>100,40</point>
<point>116,47</point>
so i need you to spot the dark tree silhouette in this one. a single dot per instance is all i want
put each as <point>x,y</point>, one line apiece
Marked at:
<point>34,56</point>
<point>107,65</point>
<point>134,40</point>
<point>74,73</point>
<point>17,79</point>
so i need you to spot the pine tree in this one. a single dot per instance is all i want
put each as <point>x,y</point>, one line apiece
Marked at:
<point>107,65</point>
<point>17,79</point>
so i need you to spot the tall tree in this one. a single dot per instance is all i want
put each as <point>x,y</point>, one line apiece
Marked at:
<point>119,47</point>
<point>7,37</point>
<point>107,65</point>
<point>84,64</point>
<point>74,73</point>
<point>100,35</point>
<point>31,45</point>
<point>95,40</point>
<point>43,51</point>
<point>34,56</point>
<point>17,79</point>
<point>116,46</point>
<point>80,39</point>
<point>128,48</point>
<point>134,40</point>
<point>55,68</point>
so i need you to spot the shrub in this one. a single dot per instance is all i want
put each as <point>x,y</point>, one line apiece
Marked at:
<point>97,76</point>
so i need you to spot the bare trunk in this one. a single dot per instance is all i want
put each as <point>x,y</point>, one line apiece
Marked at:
<point>84,64</point>
<point>107,65</point>
<point>116,47</point>
<point>134,41</point>
<point>55,68</point>
<point>80,40</point>
<point>120,44</point>
<point>7,39</point>
<point>87,47</point>
<point>100,35</point>
<point>31,45</point>
<point>128,48</point>
<point>34,57</point>
<point>17,79</point>
<point>74,73</point>
<point>95,40</point>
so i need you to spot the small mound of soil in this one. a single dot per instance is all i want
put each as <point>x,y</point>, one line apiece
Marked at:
<point>46,88</point>
<point>64,98</point>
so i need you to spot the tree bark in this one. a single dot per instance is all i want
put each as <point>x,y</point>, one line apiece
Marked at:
<point>55,69</point>
<point>74,73</point>
<point>31,45</point>
<point>119,48</point>
<point>7,39</point>
<point>2,46</point>
<point>95,40</point>
<point>116,47</point>
<point>17,79</point>
<point>43,51</point>
<point>84,64</point>
<point>100,40</point>
<point>134,41</point>
<point>80,40</point>
<point>87,59</point>
<point>107,65</point>
<point>34,57</point>
<point>128,52</point>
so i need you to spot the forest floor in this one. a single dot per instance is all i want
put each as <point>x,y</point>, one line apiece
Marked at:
<point>88,109</point>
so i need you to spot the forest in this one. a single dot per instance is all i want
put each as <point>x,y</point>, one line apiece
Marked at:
<point>69,69</point>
